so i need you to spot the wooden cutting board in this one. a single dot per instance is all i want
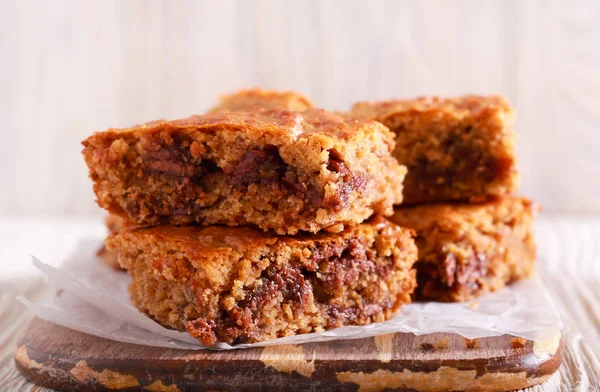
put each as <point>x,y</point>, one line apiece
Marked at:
<point>57,357</point>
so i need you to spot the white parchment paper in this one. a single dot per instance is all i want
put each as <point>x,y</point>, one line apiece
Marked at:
<point>93,299</point>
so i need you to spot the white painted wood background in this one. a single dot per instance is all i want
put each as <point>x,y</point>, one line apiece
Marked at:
<point>68,68</point>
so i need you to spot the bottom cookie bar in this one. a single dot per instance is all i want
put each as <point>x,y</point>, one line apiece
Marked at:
<point>466,250</point>
<point>242,285</point>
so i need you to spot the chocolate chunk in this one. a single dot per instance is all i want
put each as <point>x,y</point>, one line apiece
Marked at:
<point>257,166</point>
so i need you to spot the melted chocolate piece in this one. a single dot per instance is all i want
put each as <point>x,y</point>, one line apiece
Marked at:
<point>257,166</point>
<point>470,164</point>
<point>351,182</point>
<point>338,265</point>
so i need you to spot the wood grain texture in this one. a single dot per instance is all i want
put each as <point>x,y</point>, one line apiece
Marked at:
<point>57,357</point>
<point>71,67</point>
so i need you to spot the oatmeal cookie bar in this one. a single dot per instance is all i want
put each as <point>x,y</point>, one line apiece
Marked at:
<point>267,99</point>
<point>455,148</point>
<point>113,224</point>
<point>242,285</point>
<point>466,250</point>
<point>276,169</point>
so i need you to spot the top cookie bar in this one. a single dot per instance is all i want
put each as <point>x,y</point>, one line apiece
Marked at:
<point>258,98</point>
<point>275,169</point>
<point>455,148</point>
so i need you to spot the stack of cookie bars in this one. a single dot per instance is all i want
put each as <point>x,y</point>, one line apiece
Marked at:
<point>245,225</point>
<point>473,235</point>
<point>267,217</point>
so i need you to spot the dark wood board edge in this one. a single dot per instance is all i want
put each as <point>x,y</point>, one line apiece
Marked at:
<point>48,362</point>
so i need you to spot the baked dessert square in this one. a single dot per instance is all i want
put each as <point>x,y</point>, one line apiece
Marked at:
<point>248,99</point>
<point>243,285</point>
<point>275,169</point>
<point>466,250</point>
<point>456,149</point>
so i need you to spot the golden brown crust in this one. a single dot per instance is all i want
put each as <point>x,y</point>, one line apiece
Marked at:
<point>244,100</point>
<point>278,125</point>
<point>458,108</point>
<point>466,250</point>
<point>239,285</point>
<point>455,148</point>
<point>276,169</point>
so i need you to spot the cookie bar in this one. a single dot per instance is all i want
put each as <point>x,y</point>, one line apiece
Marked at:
<point>466,250</point>
<point>243,285</point>
<point>113,224</point>
<point>455,148</point>
<point>267,99</point>
<point>276,169</point>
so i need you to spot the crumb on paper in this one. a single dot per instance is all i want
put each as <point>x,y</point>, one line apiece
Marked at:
<point>472,343</point>
<point>473,304</point>
<point>443,343</point>
<point>518,342</point>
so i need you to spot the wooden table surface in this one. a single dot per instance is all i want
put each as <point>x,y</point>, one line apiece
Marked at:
<point>569,257</point>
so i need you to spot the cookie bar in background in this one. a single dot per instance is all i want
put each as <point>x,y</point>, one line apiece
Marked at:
<point>243,285</point>
<point>466,250</point>
<point>267,99</point>
<point>455,149</point>
<point>275,169</point>
<point>114,224</point>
